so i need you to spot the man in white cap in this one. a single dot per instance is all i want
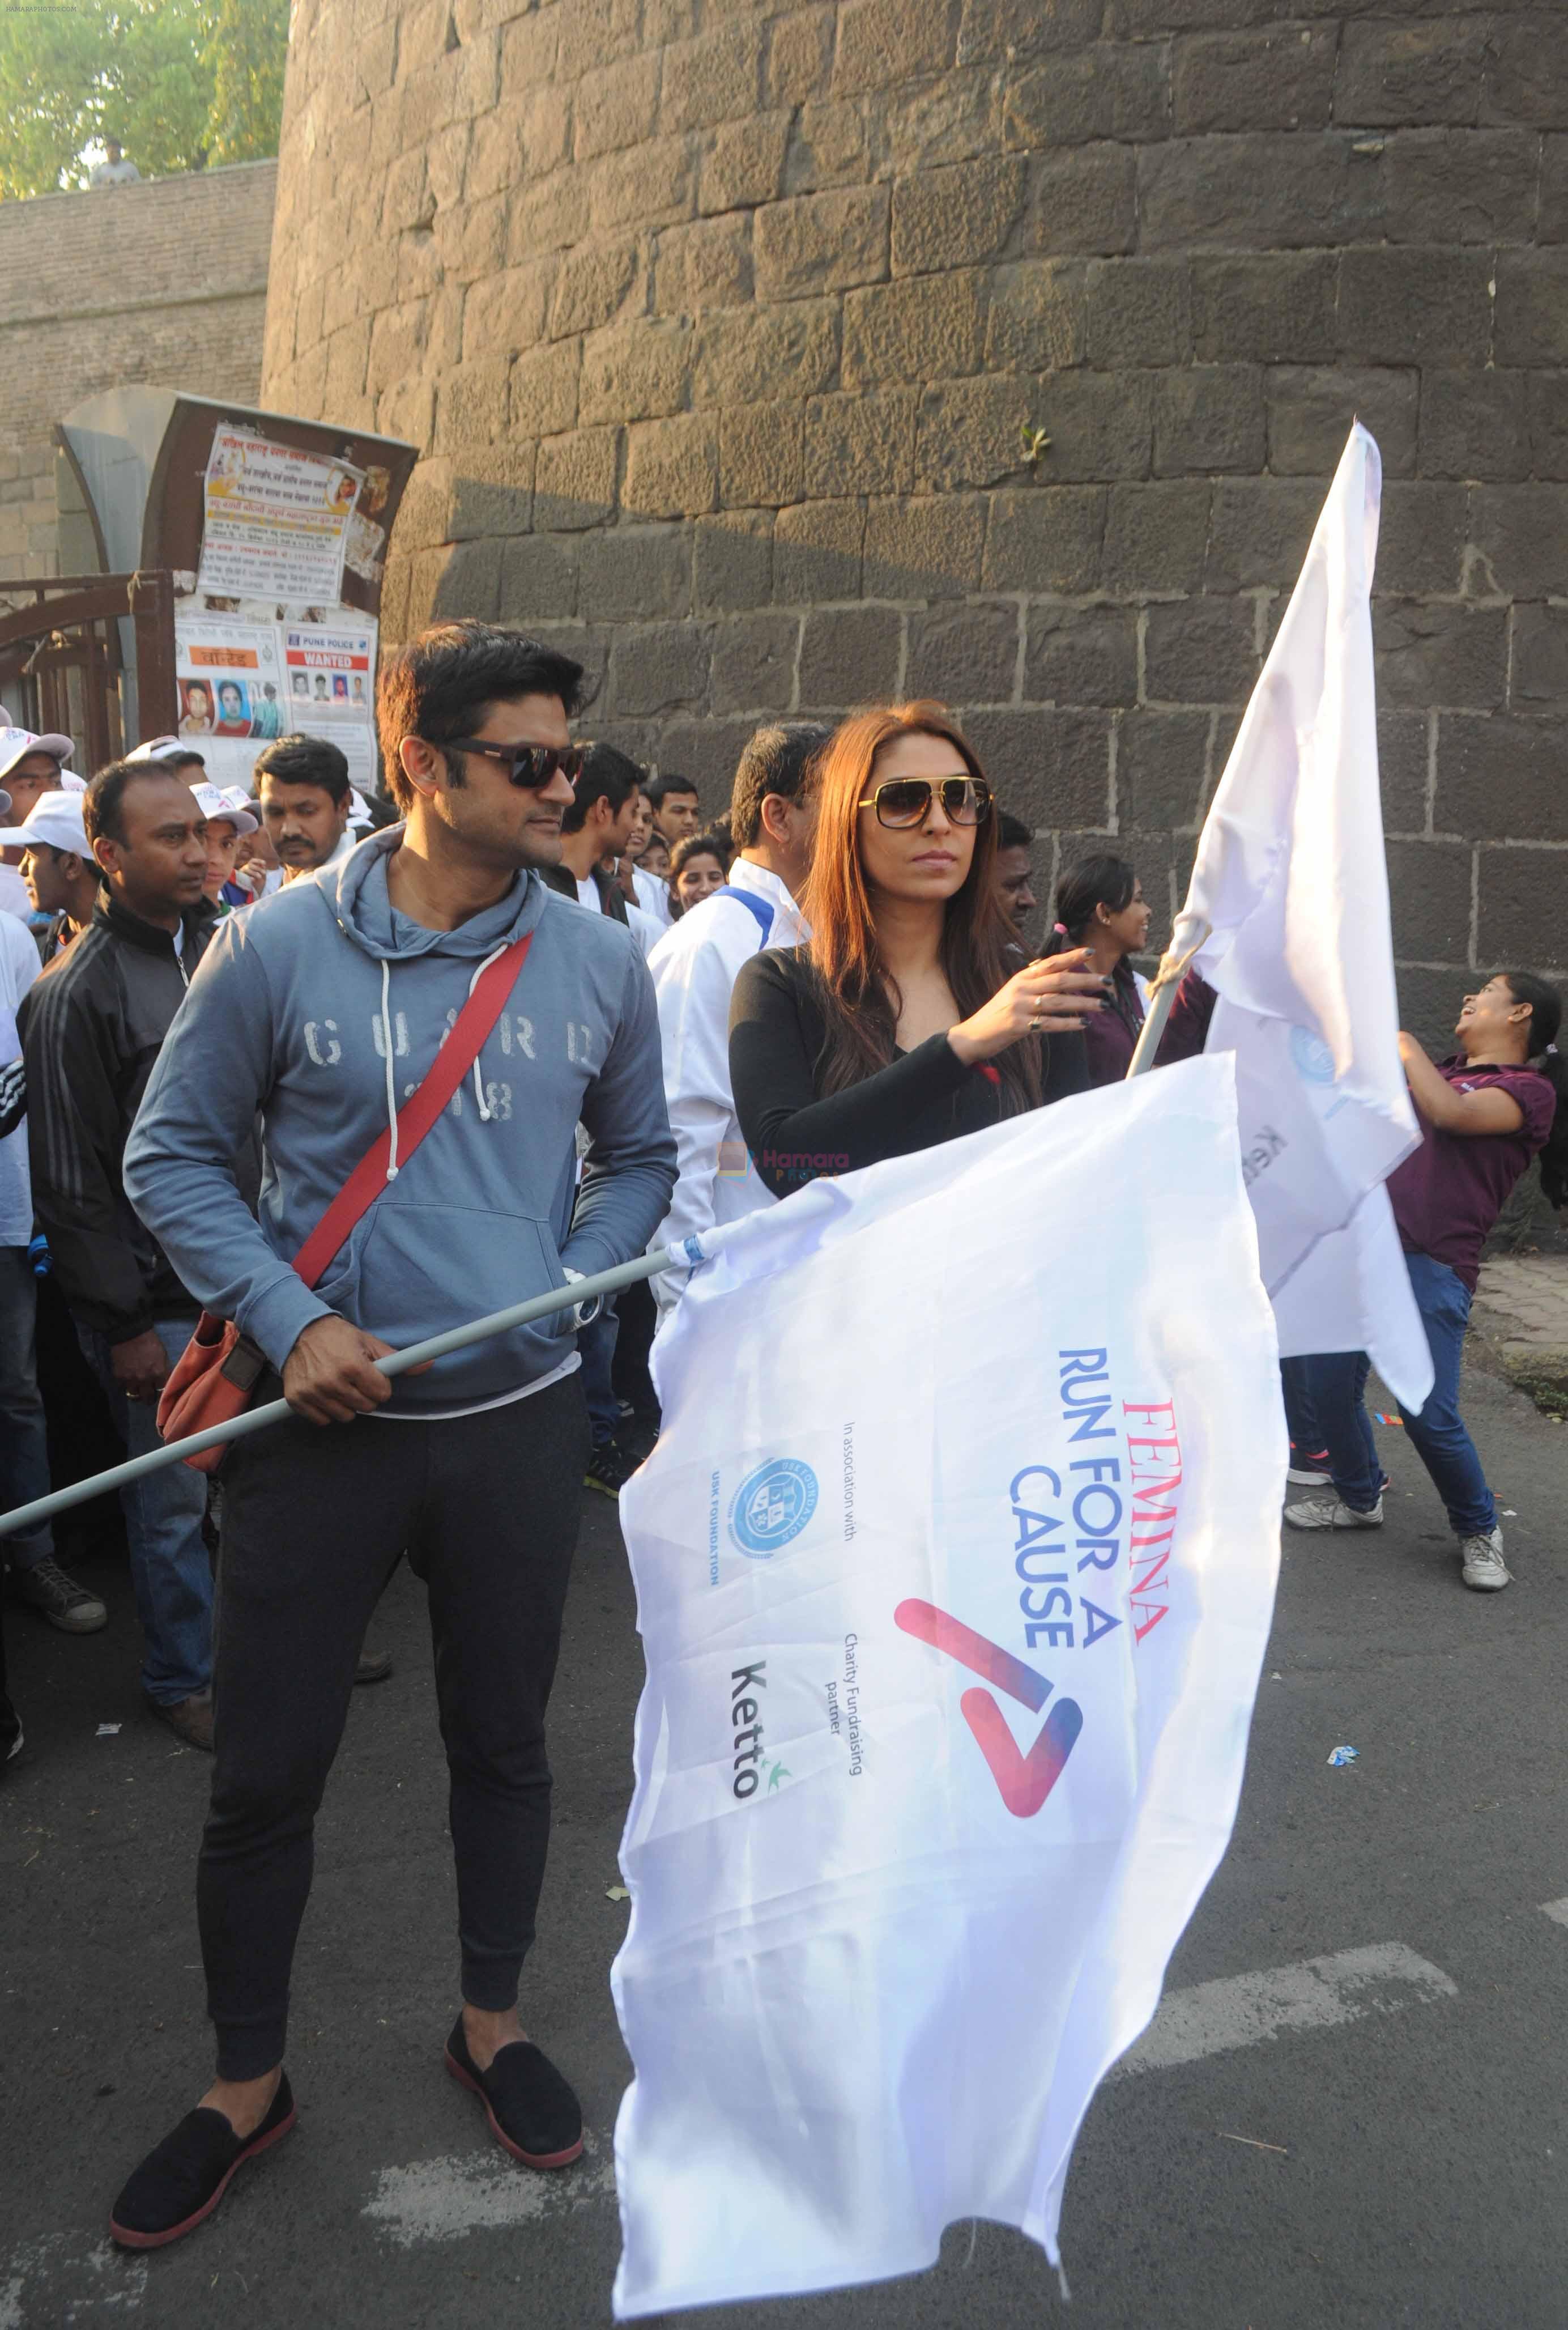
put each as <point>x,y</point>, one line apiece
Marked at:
<point>30,766</point>
<point>229,817</point>
<point>58,867</point>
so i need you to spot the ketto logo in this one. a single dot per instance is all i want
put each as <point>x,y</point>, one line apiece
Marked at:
<point>1023,1781</point>
<point>772,1505</point>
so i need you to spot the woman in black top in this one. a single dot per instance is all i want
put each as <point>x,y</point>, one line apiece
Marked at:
<point>905,1021</point>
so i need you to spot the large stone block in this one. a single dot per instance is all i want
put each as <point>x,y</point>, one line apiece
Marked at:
<point>617,107</point>
<point>964,655</point>
<point>492,494</point>
<point>969,432</point>
<point>1137,311</point>
<point>1520,915</point>
<point>538,580</point>
<point>1429,895</point>
<point>955,118</point>
<point>753,666</point>
<point>1001,31</point>
<point>750,356</point>
<point>506,313</point>
<point>744,165</point>
<point>635,372</point>
<point>924,548</point>
<point>471,405</point>
<point>465,580</point>
<point>543,390</point>
<point>732,561</point>
<point>591,35</point>
<point>1430,654</point>
<point>1526,76</point>
<point>655,667</point>
<point>1522,533</point>
<point>717,77</point>
<point>1392,74</point>
<point>881,42</point>
<point>1271,191</point>
<point>1265,308</point>
<point>1081,655</point>
<point>1532,307</point>
<point>1460,186</point>
<point>1259,530</point>
<point>760,454</point>
<point>706,751</point>
<point>1277,78</point>
<point>672,467</point>
<point>1501,779</point>
<point>849,655</point>
<point>1051,768</point>
<point>800,56</point>
<point>1099,425</point>
<point>1538,679</point>
<point>631,573</point>
<point>1084,198</point>
<point>817,549</point>
<point>1414,306</point>
<point>1208,418</point>
<point>1405,741</point>
<point>1421,538</point>
<point>707,264</point>
<point>1156,537</point>
<point>1036,321</point>
<point>1310,412</point>
<point>957,217</point>
<point>1549,424</point>
<point>828,145</point>
<point>599,284</point>
<point>1104,91</point>
<point>821,242</point>
<point>1200,651</point>
<point>653,185</point>
<point>1160,760</point>
<point>1045,539</point>
<point>575,481</point>
<point>1552,221</point>
<point>860,444</point>
<point>924,328</point>
<point>1475,424</point>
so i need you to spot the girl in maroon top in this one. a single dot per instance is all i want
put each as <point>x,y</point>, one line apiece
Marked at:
<point>1485,1113</point>
<point>1101,908</point>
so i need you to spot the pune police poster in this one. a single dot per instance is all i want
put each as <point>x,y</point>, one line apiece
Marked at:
<point>275,520</point>
<point>329,668</point>
<point>242,684</point>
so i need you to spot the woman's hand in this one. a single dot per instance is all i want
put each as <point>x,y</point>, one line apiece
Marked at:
<point>1045,999</point>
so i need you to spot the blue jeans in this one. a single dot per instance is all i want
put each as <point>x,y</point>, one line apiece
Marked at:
<point>1335,1381</point>
<point>1300,1415</point>
<point>23,1443</point>
<point>170,1571</point>
<point>596,1348</point>
<point>1438,1433</point>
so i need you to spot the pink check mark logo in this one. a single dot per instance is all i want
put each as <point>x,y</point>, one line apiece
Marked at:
<point>1023,1781</point>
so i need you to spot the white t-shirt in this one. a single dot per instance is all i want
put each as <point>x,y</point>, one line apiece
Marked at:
<point>13,896</point>
<point>19,967</point>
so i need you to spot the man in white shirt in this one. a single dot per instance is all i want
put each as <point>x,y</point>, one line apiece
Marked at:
<point>114,170</point>
<point>694,966</point>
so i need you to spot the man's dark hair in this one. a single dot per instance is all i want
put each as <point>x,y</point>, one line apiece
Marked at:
<point>659,787</point>
<point>305,761</point>
<point>1012,833</point>
<point>607,775</point>
<point>444,684</point>
<point>777,758</point>
<point>102,809</point>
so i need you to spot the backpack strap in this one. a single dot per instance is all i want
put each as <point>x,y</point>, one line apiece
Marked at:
<point>418,1114</point>
<point>760,907</point>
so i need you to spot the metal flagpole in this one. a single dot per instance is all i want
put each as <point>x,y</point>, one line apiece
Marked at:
<point>684,1256</point>
<point>1162,994</point>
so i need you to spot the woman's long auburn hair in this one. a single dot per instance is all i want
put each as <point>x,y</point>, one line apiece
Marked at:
<point>855,988</point>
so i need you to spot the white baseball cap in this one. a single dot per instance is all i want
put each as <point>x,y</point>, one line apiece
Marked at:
<point>55,820</point>
<point>71,782</point>
<point>15,743</point>
<point>166,748</point>
<point>229,802</point>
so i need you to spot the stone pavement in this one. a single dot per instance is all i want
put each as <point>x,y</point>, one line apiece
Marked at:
<point>1520,1325</point>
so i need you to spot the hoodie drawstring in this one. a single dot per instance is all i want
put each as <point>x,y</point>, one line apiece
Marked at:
<point>386,1029</point>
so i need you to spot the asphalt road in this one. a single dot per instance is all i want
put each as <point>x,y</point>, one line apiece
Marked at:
<point>1405,2148</point>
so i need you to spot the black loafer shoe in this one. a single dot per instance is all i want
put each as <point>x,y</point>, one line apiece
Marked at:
<point>184,2178</point>
<point>530,2110</point>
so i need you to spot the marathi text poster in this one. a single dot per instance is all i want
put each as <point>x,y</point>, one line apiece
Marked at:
<point>276,521</point>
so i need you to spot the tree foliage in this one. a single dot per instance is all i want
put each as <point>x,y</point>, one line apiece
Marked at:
<point>179,82</point>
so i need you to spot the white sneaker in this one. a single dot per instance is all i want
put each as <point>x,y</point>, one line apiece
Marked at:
<point>1301,1476</point>
<point>1333,1513</point>
<point>1483,1562</point>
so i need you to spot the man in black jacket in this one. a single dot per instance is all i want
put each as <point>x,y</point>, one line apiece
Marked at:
<point>91,1029</point>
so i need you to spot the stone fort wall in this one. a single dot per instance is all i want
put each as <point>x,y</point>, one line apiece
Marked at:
<point>158,286</point>
<point>725,325</point>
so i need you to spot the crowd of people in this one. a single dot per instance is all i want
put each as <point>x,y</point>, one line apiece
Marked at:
<point>572,1020</point>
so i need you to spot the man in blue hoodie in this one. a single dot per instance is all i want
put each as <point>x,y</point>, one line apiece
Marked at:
<point>320,1009</point>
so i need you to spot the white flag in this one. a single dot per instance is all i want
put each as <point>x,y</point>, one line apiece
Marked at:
<point>954,1564</point>
<point>1291,877</point>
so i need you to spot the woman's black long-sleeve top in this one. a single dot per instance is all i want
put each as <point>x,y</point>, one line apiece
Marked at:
<point>777,1035</point>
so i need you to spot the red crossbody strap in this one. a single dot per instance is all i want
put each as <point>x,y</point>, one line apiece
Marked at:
<point>415,1118</point>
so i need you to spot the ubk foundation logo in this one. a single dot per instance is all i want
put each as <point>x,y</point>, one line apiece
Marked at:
<point>772,1505</point>
<point>1314,1060</point>
<point>1024,1781</point>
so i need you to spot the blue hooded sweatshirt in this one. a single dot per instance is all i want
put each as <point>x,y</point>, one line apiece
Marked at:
<point>298,1004</point>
